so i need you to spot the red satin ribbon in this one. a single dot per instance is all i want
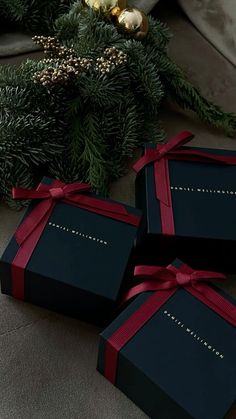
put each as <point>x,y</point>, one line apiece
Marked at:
<point>172,151</point>
<point>164,282</point>
<point>30,230</point>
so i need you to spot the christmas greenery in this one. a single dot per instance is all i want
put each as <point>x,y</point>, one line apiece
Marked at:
<point>31,15</point>
<point>79,113</point>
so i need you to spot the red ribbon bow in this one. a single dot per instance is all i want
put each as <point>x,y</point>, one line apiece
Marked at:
<point>72,194</point>
<point>165,282</point>
<point>173,151</point>
<point>30,230</point>
<point>159,279</point>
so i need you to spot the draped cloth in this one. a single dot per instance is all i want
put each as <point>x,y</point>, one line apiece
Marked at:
<point>216,20</point>
<point>145,5</point>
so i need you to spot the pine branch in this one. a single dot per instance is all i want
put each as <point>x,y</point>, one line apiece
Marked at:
<point>89,27</point>
<point>105,90</point>
<point>31,129</point>
<point>67,25</point>
<point>145,78</point>
<point>153,132</point>
<point>12,9</point>
<point>158,35</point>
<point>15,174</point>
<point>33,15</point>
<point>188,97</point>
<point>63,168</point>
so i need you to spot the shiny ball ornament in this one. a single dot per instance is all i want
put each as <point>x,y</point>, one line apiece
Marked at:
<point>106,5</point>
<point>115,12</point>
<point>134,22</point>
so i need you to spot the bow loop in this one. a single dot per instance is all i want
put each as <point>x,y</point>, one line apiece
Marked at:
<point>152,272</point>
<point>161,151</point>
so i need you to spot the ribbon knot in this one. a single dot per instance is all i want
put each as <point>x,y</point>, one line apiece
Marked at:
<point>184,279</point>
<point>56,193</point>
<point>161,152</point>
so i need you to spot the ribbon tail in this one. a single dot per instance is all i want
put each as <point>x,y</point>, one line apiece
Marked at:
<point>31,222</point>
<point>23,256</point>
<point>129,328</point>
<point>148,272</point>
<point>157,278</point>
<point>198,156</point>
<point>206,276</point>
<point>22,193</point>
<point>176,142</point>
<point>148,157</point>
<point>163,194</point>
<point>110,209</point>
<point>214,301</point>
<point>147,286</point>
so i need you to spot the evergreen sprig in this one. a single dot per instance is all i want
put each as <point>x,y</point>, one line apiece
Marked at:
<point>81,122</point>
<point>188,97</point>
<point>32,15</point>
<point>31,127</point>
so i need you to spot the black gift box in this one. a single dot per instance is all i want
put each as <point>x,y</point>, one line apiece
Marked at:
<point>204,208</point>
<point>79,264</point>
<point>181,364</point>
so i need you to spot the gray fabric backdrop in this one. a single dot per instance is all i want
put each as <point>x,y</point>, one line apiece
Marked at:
<point>216,20</point>
<point>146,5</point>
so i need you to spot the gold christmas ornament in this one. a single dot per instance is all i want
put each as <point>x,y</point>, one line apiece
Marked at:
<point>115,12</point>
<point>133,21</point>
<point>106,5</point>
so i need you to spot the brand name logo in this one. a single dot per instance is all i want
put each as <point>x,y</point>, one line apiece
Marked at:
<point>203,190</point>
<point>78,233</point>
<point>193,334</point>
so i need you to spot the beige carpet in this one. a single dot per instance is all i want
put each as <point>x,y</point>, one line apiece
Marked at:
<point>47,361</point>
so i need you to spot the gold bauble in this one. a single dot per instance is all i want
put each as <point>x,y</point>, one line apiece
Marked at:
<point>106,5</point>
<point>115,12</point>
<point>133,21</point>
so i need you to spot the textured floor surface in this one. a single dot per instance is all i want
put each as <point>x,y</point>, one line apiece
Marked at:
<point>47,361</point>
